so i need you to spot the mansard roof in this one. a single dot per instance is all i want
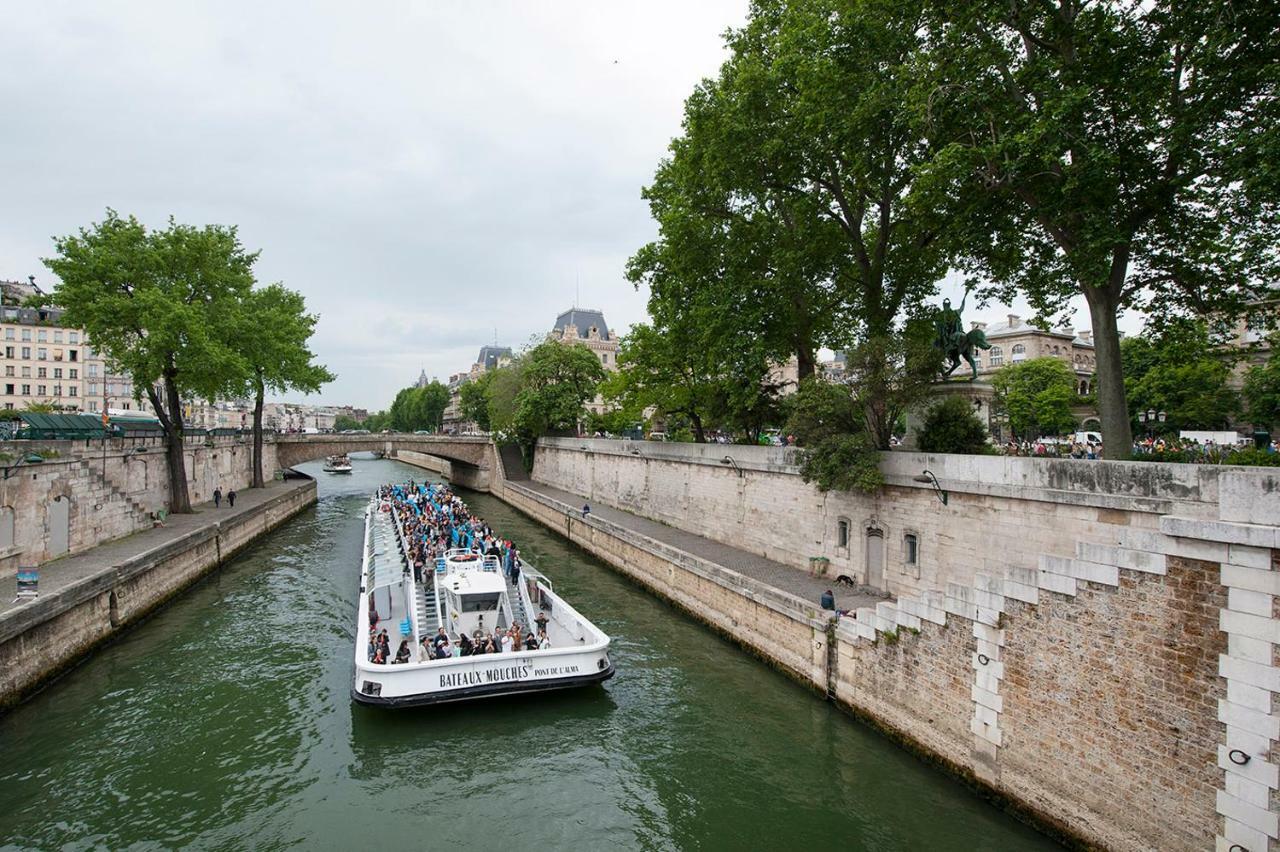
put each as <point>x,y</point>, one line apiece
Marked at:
<point>583,319</point>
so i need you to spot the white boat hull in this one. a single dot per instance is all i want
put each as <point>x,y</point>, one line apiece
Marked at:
<point>483,676</point>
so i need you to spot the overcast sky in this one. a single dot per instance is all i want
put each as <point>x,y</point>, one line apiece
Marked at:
<point>427,174</point>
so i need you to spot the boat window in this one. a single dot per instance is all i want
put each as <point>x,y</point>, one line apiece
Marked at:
<point>480,603</point>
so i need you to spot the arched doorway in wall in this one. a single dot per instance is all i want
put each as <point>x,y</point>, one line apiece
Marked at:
<point>6,527</point>
<point>59,526</point>
<point>875,556</point>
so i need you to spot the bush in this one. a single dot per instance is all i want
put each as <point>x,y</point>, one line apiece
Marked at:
<point>843,463</point>
<point>951,427</point>
<point>1254,457</point>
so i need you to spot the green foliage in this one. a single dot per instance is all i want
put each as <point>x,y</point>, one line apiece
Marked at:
<point>1262,389</point>
<point>416,408</point>
<point>820,410</point>
<point>1176,368</point>
<point>473,401</point>
<point>843,463</point>
<point>1253,456</point>
<point>667,370</point>
<point>1036,396</point>
<point>1117,150</point>
<point>556,382</point>
<point>345,422</point>
<point>952,427</point>
<point>164,308</point>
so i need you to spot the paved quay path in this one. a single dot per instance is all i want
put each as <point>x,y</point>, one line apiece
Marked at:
<point>58,574</point>
<point>783,577</point>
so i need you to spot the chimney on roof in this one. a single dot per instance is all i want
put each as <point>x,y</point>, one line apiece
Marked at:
<point>1014,320</point>
<point>976,325</point>
<point>1085,334</point>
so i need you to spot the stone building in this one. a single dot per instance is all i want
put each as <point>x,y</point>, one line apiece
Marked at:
<point>43,360</point>
<point>587,327</point>
<point>1016,340</point>
<point>490,358</point>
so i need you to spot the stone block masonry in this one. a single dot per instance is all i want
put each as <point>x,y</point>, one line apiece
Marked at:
<point>1094,644</point>
<point>87,598</point>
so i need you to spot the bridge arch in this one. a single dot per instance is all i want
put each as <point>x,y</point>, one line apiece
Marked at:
<point>470,458</point>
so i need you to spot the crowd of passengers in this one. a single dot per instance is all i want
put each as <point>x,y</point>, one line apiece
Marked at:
<point>434,520</point>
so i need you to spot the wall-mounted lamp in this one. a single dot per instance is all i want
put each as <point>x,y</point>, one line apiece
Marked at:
<point>729,461</point>
<point>928,478</point>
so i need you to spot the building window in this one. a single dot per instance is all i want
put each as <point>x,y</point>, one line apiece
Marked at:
<point>911,549</point>
<point>604,357</point>
<point>71,391</point>
<point>92,370</point>
<point>42,390</point>
<point>42,372</point>
<point>26,372</point>
<point>8,334</point>
<point>8,389</point>
<point>8,371</point>
<point>42,354</point>
<point>997,356</point>
<point>73,337</point>
<point>1019,353</point>
<point>8,352</point>
<point>42,336</point>
<point>93,405</point>
<point>73,354</point>
<point>57,354</point>
<point>57,372</point>
<point>57,390</point>
<point>842,533</point>
<point>26,352</point>
<point>26,390</point>
<point>26,334</point>
<point>57,336</point>
<point>93,389</point>
<point>73,373</point>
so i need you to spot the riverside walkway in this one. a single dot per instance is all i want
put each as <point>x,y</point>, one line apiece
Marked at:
<point>60,575</point>
<point>767,571</point>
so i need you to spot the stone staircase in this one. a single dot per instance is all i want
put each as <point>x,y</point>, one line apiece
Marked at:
<point>116,504</point>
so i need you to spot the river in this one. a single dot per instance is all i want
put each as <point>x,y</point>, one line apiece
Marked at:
<point>225,722</point>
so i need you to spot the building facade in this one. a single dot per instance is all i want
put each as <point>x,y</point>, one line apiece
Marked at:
<point>1016,340</point>
<point>587,327</point>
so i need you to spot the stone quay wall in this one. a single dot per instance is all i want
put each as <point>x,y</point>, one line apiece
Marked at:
<point>1094,643</point>
<point>40,639</point>
<point>81,496</point>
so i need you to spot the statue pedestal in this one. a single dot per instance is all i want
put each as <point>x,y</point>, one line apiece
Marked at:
<point>980,394</point>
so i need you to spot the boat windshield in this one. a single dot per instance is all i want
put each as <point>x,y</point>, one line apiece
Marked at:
<point>479,603</point>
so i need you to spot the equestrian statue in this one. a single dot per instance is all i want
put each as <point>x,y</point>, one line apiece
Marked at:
<point>953,341</point>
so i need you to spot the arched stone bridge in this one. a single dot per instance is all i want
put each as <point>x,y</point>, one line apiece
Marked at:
<point>470,459</point>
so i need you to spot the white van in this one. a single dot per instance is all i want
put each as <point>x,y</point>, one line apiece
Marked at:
<point>1087,437</point>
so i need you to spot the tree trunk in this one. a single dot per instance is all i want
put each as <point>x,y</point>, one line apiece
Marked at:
<point>179,495</point>
<point>257,437</point>
<point>806,363</point>
<point>1117,439</point>
<point>699,435</point>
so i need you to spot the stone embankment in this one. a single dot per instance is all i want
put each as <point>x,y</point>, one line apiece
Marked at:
<point>89,597</point>
<point>1092,643</point>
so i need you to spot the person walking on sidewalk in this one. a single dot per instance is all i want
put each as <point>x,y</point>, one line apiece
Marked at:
<point>231,498</point>
<point>217,497</point>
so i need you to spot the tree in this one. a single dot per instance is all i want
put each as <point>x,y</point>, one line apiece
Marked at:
<point>272,336</point>
<point>1036,396</point>
<point>159,306</point>
<point>1177,368</point>
<point>346,423</point>
<point>838,453</point>
<point>556,381</point>
<point>473,400</point>
<point>1262,389</point>
<point>789,210</point>
<point>418,408</point>
<point>1118,150</point>
<point>952,427</point>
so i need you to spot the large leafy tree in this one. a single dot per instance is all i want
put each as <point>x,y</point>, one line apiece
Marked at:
<point>789,211</point>
<point>160,306</point>
<point>273,339</point>
<point>419,408</point>
<point>1175,367</point>
<point>1036,396</point>
<point>1117,150</point>
<point>473,400</point>
<point>1262,389</point>
<point>557,379</point>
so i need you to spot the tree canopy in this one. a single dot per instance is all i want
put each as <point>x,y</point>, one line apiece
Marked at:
<point>1036,396</point>
<point>160,306</point>
<point>1117,150</point>
<point>1176,367</point>
<point>1262,389</point>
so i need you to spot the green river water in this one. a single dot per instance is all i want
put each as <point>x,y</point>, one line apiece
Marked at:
<point>225,722</point>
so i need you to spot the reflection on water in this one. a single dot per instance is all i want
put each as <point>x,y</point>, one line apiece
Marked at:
<point>225,722</point>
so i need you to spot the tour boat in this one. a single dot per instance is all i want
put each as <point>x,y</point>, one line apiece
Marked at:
<point>337,464</point>
<point>464,592</point>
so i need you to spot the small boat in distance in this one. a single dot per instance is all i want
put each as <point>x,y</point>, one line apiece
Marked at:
<point>455,604</point>
<point>337,464</point>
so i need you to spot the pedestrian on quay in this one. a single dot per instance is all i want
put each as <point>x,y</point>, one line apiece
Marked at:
<point>828,600</point>
<point>231,498</point>
<point>217,497</point>
<point>586,510</point>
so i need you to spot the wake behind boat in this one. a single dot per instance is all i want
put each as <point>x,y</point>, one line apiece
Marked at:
<point>466,617</point>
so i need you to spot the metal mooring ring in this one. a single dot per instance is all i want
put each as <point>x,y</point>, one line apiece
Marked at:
<point>983,659</point>
<point>1238,757</point>
<point>1236,847</point>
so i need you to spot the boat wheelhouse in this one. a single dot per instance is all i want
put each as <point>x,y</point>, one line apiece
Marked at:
<point>464,593</point>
